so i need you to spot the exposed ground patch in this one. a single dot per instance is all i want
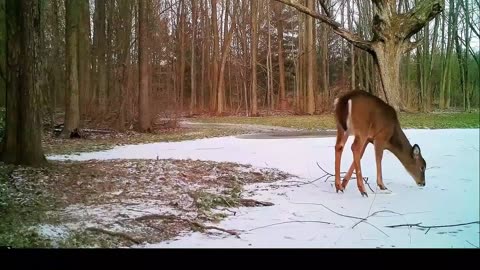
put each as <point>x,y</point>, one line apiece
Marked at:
<point>122,203</point>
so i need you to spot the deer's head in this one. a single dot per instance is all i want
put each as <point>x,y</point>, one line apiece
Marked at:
<point>416,166</point>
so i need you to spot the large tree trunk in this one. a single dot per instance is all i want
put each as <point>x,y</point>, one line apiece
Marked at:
<point>22,143</point>
<point>388,59</point>
<point>143,103</point>
<point>72,109</point>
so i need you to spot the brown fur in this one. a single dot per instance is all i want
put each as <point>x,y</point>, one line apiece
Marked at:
<point>372,121</point>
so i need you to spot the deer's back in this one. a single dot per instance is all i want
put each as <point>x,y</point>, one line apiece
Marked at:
<point>362,113</point>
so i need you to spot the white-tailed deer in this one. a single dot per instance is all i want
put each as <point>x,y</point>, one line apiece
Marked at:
<point>370,120</point>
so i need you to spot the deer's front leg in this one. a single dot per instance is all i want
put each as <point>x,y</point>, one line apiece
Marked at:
<point>378,160</point>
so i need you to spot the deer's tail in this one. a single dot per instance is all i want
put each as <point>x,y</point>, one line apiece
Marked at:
<point>343,108</point>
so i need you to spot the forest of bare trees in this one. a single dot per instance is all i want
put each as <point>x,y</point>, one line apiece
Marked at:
<point>123,63</point>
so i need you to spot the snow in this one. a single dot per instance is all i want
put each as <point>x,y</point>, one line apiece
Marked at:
<point>451,194</point>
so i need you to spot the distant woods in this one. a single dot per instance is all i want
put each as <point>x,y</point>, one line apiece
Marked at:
<point>122,63</point>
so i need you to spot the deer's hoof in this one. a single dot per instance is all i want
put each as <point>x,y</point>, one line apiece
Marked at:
<point>364,194</point>
<point>382,187</point>
<point>339,188</point>
<point>344,184</point>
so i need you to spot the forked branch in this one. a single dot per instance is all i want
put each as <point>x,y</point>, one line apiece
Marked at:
<point>419,16</point>
<point>354,39</point>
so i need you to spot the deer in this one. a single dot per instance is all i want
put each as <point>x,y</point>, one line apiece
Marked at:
<point>369,119</point>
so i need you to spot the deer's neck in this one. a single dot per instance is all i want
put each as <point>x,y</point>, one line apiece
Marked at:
<point>400,146</point>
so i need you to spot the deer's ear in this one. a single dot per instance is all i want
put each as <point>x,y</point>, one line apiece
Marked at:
<point>416,151</point>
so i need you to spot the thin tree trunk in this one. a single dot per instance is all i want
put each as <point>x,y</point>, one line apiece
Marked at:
<point>281,60</point>
<point>193,75</point>
<point>143,103</point>
<point>311,59</point>
<point>101,57</point>
<point>84,55</point>
<point>254,35</point>
<point>72,105</point>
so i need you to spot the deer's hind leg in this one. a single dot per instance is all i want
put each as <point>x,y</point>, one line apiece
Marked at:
<point>349,174</point>
<point>342,137</point>
<point>357,149</point>
<point>378,159</point>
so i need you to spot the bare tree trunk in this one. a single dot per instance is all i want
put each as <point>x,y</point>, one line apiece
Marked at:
<point>352,47</point>
<point>143,102</point>
<point>22,143</point>
<point>311,59</point>
<point>72,106</point>
<point>281,61</point>
<point>181,71</point>
<point>216,56</point>
<point>84,55</point>
<point>254,35</point>
<point>124,61</point>
<point>101,57</point>
<point>193,95</point>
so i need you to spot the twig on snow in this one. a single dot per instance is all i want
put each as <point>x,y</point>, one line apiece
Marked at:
<point>471,244</point>
<point>228,210</point>
<point>347,216</point>
<point>418,225</point>
<point>203,227</point>
<point>115,234</point>
<point>253,203</point>
<point>155,216</point>
<point>373,214</point>
<point>192,223</point>
<point>288,222</point>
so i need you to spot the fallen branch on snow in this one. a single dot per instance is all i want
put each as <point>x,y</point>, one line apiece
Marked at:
<point>418,225</point>
<point>191,223</point>
<point>115,234</point>
<point>347,216</point>
<point>288,222</point>
<point>155,216</point>
<point>254,203</point>
<point>203,227</point>
<point>373,214</point>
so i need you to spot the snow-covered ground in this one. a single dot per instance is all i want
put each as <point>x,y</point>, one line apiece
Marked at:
<point>451,194</point>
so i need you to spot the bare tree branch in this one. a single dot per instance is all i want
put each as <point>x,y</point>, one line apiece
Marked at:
<point>469,48</point>
<point>354,39</point>
<point>416,19</point>
<point>325,8</point>
<point>469,22</point>
<point>412,45</point>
